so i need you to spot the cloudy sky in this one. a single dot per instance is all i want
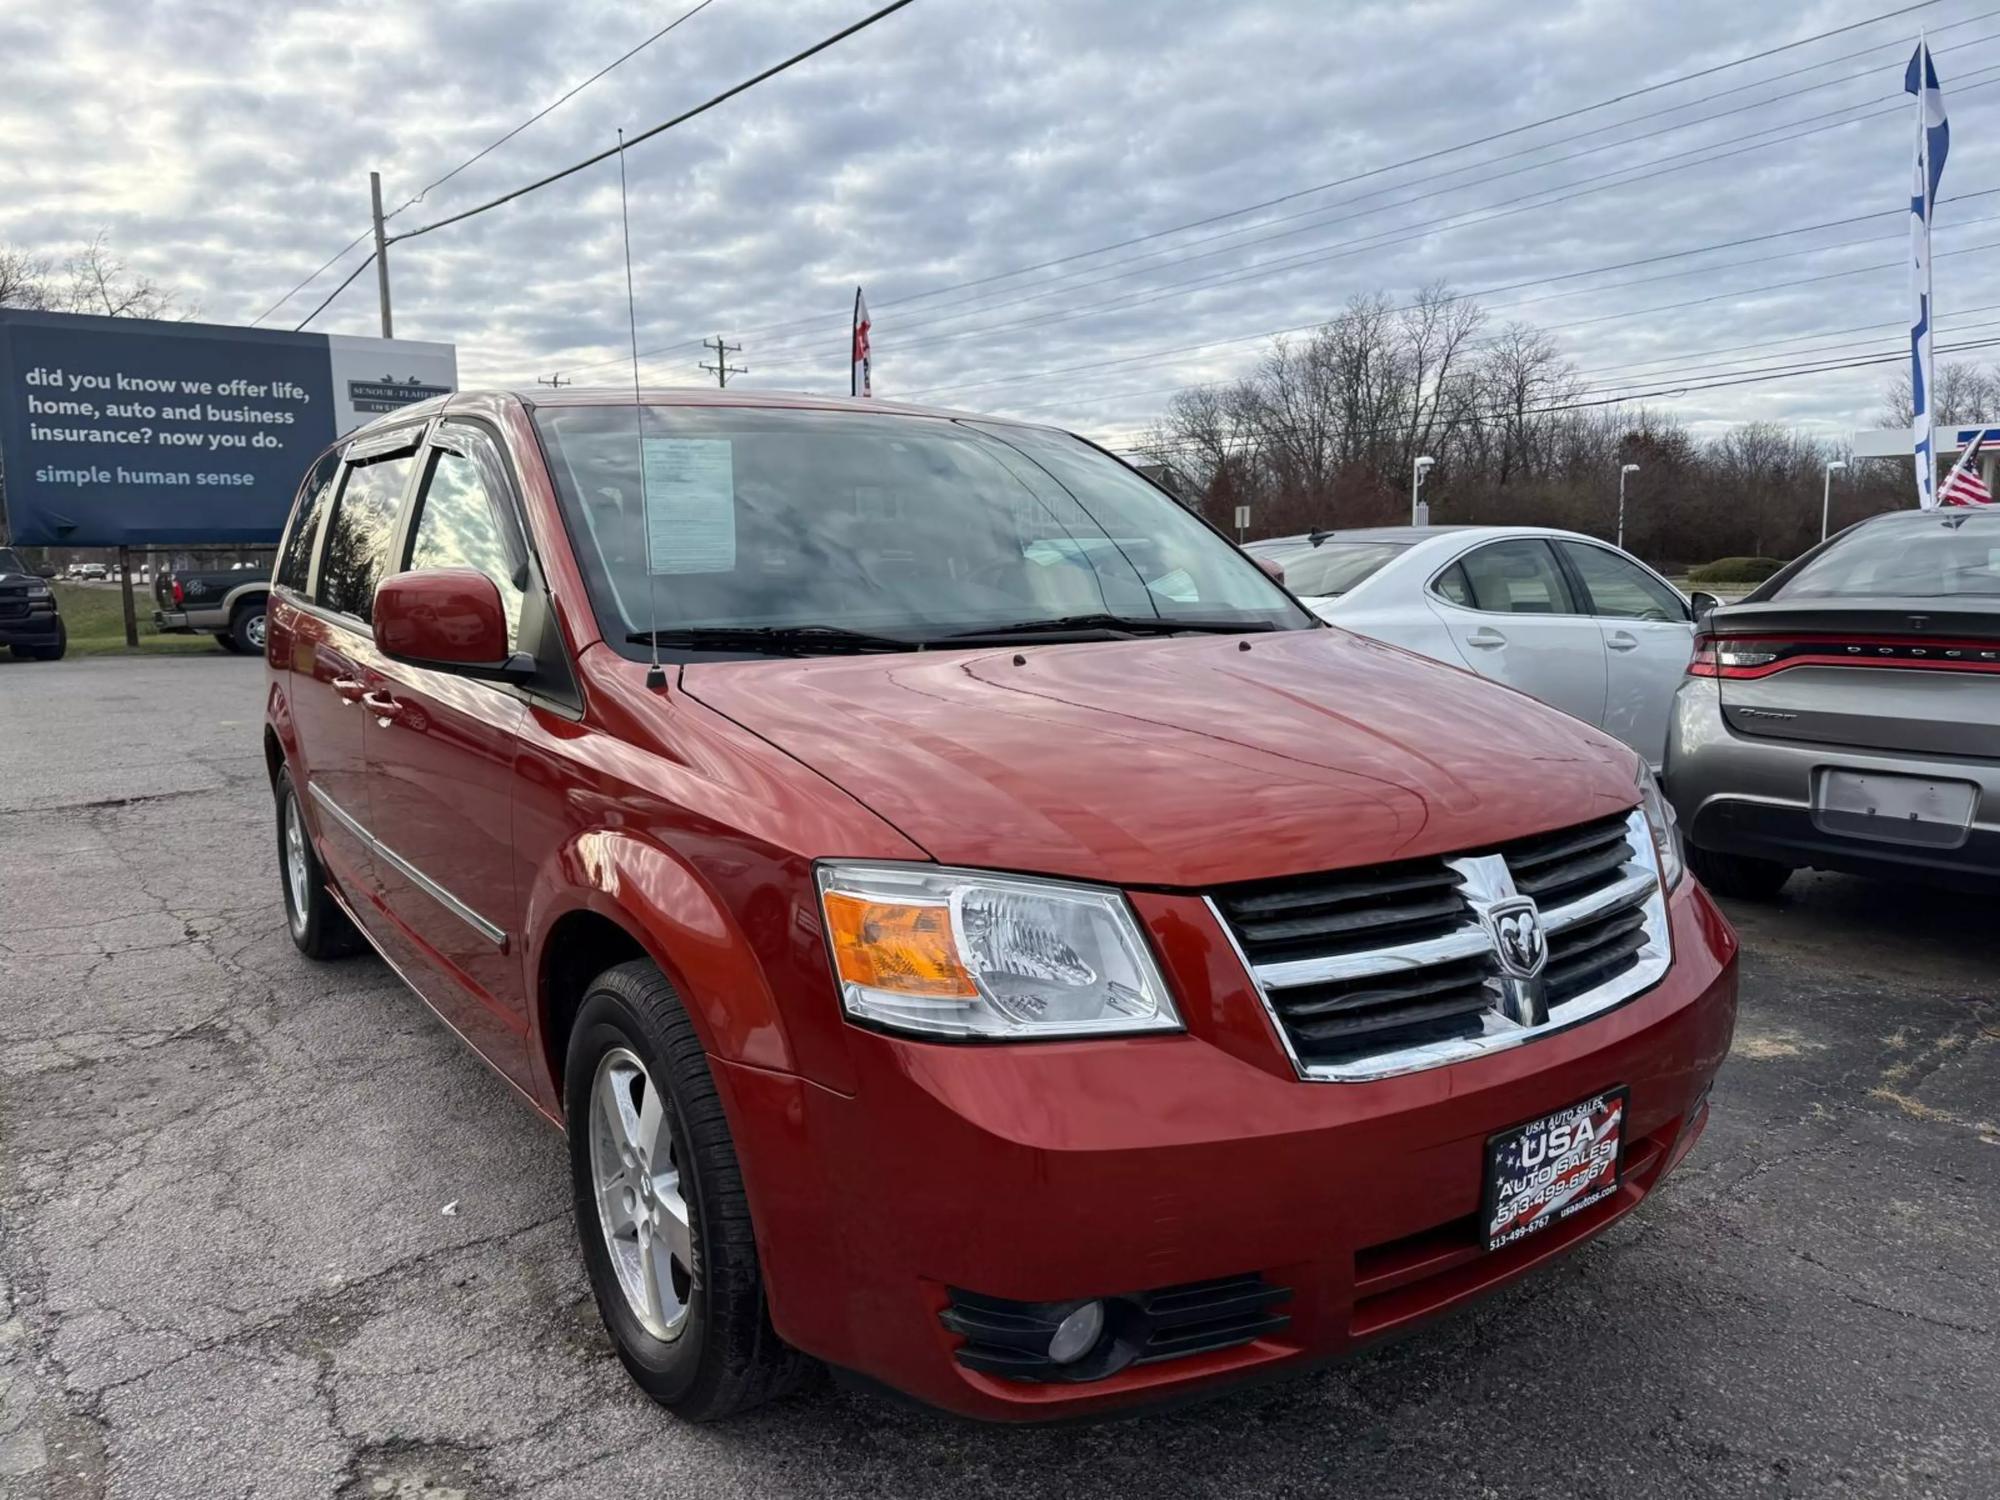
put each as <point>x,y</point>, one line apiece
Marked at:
<point>942,157</point>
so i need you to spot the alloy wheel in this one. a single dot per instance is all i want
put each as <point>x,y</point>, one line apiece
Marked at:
<point>298,877</point>
<point>636,1176</point>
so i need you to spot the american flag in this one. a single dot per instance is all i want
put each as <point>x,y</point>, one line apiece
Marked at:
<point>861,379</point>
<point>1963,486</point>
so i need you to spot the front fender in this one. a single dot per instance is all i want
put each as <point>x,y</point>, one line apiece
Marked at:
<point>660,900</point>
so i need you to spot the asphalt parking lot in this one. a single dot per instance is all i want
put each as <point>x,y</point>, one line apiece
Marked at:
<point>266,1229</point>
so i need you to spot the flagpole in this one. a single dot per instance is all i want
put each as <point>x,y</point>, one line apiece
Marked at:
<point>1930,296</point>
<point>1925,437</point>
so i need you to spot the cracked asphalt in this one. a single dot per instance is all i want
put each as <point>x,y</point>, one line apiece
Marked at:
<point>266,1229</point>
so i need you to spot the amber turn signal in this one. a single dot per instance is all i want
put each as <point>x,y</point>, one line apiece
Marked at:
<point>903,949</point>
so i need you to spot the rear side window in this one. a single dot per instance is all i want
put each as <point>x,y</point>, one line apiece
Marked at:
<point>361,535</point>
<point>1517,578</point>
<point>1453,586</point>
<point>458,526</point>
<point>1620,588</point>
<point>295,557</point>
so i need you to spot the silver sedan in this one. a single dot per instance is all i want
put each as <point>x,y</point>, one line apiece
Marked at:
<point>1564,617</point>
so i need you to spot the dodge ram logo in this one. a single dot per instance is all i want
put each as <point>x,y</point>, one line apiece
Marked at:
<point>1518,938</point>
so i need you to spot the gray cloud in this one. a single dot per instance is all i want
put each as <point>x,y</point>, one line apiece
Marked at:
<point>225,146</point>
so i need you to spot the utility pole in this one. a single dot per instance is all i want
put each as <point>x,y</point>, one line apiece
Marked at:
<point>722,367</point>
<point>381,255</point>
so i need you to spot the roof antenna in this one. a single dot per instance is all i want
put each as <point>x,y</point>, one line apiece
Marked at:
<point>656,677</point>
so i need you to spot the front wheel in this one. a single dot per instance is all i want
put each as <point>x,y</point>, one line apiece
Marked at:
<point>1738,875</point>
<point>51,652</point>
<point>660,1205</point>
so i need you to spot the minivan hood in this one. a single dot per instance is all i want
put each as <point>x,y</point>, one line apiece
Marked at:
<point>1178,762</point>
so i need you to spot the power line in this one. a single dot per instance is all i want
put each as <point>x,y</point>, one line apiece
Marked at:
<point>336,292</point>
<point>680,119</point>
<point>1047,289</point>
<point>1665,392</point>
<point>485,151</point>
<point>1152,354</point>
<point>1694,361</point>
<point>316,276</point>
<point>1383,239</point>
<point>1570,114</point>
<point>778,327</point>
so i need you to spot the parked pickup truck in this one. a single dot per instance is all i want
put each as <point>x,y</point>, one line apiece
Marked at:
<point>228,604</point>
<point>29,620</point>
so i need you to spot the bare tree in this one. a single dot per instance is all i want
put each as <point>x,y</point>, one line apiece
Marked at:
<point>101,283</point>
<point>1964,393</point>
<point>91,280</point>
<point>24,279</point>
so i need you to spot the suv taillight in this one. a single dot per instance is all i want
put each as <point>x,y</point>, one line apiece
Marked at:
<point>179,596</point>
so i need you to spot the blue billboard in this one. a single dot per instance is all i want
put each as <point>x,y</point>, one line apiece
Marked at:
<point>126,431</point>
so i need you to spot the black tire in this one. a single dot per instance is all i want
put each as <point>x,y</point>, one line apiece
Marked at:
<point>1742,876</point>
<point>246,629</point>
<point>724,1357</point>
<point>318,926</point>
<point>226,641</point>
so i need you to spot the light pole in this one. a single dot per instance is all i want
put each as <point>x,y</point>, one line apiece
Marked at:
<point>1417,472</point>
<point>1627,469</point>
<point>1826,494</point>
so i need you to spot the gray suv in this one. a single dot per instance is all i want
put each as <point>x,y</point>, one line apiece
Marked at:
<point>1846,715</point>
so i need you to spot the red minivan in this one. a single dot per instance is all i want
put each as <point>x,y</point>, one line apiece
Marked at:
<point>975,928</point>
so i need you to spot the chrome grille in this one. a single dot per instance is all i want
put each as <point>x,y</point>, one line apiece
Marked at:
<point>1395,968</point>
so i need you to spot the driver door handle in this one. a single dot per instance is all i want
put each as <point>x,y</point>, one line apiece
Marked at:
<point>1622,640</point>
<point>1486,638</point>
<point>385,708</point>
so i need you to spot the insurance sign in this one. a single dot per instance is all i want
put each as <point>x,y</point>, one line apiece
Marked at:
<point>125,431</point>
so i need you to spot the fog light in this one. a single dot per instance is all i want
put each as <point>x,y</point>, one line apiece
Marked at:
<point>1077,1334</point>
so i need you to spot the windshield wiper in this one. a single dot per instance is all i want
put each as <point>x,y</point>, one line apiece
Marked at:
<point>1114,626</point>
<point>777,638</point>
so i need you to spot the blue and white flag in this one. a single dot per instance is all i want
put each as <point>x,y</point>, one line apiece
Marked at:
<point>1933,142</point>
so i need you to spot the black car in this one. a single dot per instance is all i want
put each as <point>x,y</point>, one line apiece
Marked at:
<point>29,621</point>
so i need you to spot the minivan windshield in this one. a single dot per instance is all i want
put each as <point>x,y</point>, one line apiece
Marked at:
<point>788,530</point>
<point>1935,558</point>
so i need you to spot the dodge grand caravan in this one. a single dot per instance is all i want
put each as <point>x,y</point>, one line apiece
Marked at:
<point>975,928</point>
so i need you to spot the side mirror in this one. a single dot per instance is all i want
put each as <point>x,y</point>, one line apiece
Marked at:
<point>45,571</point>
<point>1704,605</point>
<point>1273,569</point>
<point>449,618</point>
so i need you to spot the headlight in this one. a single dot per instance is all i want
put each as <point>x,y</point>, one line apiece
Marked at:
<point>38,591</point>
<point>963,953</point>
<point>1666,826</point>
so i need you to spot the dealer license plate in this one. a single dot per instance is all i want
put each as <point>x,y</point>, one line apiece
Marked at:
<point>1542,1172</point>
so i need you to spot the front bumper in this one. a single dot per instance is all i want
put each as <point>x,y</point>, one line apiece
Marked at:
<point>37,626</point>
<point>1752,795</point>
<point>1041,1173</point>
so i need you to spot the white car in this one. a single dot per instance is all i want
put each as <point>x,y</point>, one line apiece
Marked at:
<point>1568,619</point>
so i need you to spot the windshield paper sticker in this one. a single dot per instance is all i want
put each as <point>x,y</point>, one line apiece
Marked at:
<point>690,499</point>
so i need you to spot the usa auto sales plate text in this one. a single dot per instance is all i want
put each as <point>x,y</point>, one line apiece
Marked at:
<point>1548,1169</point>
